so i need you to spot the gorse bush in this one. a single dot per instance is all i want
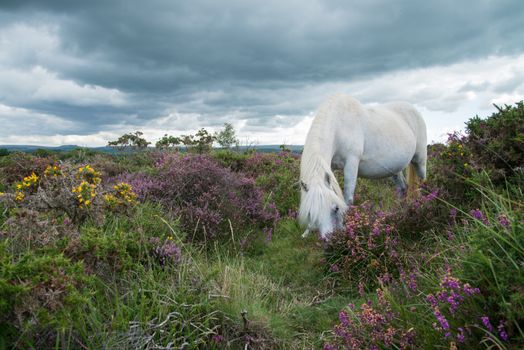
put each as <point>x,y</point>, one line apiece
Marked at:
<point>71,190</point>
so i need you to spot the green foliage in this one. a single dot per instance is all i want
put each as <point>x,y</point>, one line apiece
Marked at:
<point>494,257</point>
<point>498,142</point>
<point>130,140</point>
<point>4,152</point>
<point>38,292</point>
<point>229,159</point>
<point>226,137</point>
<point>168,141</point>
<point>277,175</point>
<point>494,145</point>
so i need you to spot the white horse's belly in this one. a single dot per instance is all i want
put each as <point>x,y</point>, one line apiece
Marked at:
<point>380,168</point>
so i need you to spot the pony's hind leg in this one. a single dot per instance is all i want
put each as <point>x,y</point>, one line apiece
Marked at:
<point>400,182</point>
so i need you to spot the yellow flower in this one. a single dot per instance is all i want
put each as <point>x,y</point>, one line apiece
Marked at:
<point>19,196</point>
<point>52,170</point>
<point>85,193</point>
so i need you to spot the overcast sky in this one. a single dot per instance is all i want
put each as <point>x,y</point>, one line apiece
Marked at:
<point>85,72</point>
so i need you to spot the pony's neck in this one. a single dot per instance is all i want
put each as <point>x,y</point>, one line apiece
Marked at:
<point>318,152</point>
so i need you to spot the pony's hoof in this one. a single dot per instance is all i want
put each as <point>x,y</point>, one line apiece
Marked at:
<point>305,234</point>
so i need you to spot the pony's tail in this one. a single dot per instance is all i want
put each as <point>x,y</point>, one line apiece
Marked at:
<point>413,182</point>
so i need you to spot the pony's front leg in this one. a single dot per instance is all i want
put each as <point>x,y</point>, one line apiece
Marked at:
<point>350,179</point>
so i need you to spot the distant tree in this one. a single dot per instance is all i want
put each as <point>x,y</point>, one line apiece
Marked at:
<point>130,140</point>
<point>4,152</point>
<point>203,141</point>
<point>168,142</point>
<point>42,153</point>
<point>226,137</point>
<point>284,148</point>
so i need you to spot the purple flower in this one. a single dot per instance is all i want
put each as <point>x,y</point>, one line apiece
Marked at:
<point>432,300</point>
<point>217,338</point>
<point>441,319</point>
<point>361,290</point>
<point>486,323</point>
<point>460,335</point>
<point>503,220</point>
<point>412,283</point>
<point>502,331</point>
<point>477,214</point>
<point>334,268</point>
<point>343,318</point>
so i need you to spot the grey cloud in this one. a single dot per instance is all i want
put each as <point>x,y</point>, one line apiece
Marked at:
<point>247,59</point>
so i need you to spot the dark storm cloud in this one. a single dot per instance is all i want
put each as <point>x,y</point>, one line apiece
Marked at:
<point>244,58</point>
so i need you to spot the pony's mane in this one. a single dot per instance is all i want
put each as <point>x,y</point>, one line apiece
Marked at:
<point>315,172</point>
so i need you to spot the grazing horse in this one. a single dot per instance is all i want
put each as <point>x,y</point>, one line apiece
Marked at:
<point>367,141</point>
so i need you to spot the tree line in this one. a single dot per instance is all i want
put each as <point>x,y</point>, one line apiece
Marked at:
<point>201,142</point>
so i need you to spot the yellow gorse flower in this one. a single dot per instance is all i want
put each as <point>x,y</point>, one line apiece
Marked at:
<point>53,170</point>
<point>85,193</point>
<point>28,183</point>
<point>87,173</point>
<point>123,195</point>
<point>19,196</point>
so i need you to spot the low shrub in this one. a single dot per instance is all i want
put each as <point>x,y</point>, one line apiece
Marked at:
<point>277,174</point>
<point>365,252</point>
<point>38,292</point>
<point>210,200</point>
<point>497,142</point>
<point>71,190</point>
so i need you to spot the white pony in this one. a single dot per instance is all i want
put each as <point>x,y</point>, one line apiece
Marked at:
<point>371,142</point>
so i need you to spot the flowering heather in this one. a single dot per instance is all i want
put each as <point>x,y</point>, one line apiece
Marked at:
<point>166,252</point>
<point>210,199</point>
<point>372,326</point>
<point>366,250</point>
<point>277,175</point>
<point>478,215</point>
<point>450,302</point>
<point>504,221</point>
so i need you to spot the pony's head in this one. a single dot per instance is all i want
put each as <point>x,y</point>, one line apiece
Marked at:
<point>321,206</point>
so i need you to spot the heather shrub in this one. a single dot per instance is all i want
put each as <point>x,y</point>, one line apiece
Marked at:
<point>230,159</point>
<point>366,251</point>
<point>277,175</point>
<point>497,142</point>
<point>414,218</point>
<point>494,145</point>
<point>38,292</point>
<point>420,312</point>
<point>210,200</point>
<point>17,165</point>
<point>30,229</point>
<point>370,326</point>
